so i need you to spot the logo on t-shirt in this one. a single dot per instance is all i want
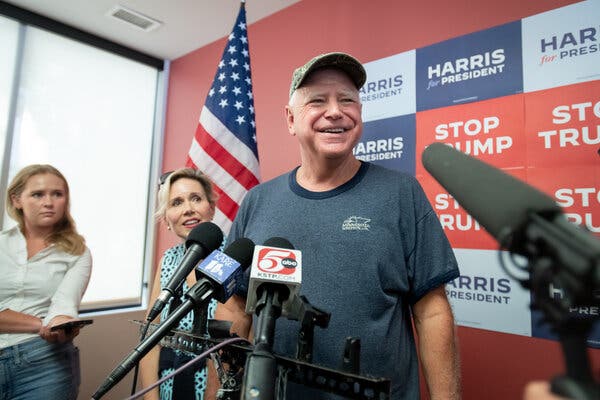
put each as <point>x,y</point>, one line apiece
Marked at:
<point>355,223</point>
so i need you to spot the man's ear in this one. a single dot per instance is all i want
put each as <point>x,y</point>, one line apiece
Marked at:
<point>289,117</point>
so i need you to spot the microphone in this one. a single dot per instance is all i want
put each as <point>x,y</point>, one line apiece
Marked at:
<point>275,279</point>
<point>527,221</point>
<point>521,218</point>
<point>201,240</point>
<point>223,270</point>
<point>498,201</point>
<point>218,270</point>
<point>275,263</point>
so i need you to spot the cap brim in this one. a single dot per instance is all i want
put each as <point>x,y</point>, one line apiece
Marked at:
<point>351,66</point>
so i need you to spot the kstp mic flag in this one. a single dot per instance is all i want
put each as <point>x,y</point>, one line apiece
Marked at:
<point>274,265</point>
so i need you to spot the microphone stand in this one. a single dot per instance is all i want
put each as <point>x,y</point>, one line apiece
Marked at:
<point>175,303</point>
<point>261,365</point>
<point>308,316</point>
<point>567,257</point>
<point>195,297</point>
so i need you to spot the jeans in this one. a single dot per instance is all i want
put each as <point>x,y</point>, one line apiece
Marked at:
<point>36,369</point>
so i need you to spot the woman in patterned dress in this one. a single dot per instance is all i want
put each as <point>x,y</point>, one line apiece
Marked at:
<point>185,199</point>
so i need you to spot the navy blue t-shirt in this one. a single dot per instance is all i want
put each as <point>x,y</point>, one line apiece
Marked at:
<point>371,248</point>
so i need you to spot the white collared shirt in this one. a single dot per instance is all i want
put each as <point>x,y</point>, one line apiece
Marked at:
<point>48,284</point>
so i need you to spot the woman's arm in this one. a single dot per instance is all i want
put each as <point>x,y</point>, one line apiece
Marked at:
<point>67,297</point>
<point>234,310</point>
<point>16,322</point>
<point>64,304</point>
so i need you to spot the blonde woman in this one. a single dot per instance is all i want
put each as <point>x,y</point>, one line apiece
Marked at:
<point>45,268</point>
<point>185,200</point>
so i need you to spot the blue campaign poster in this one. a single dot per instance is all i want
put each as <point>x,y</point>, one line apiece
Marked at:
<point>389,142</point>
<point>473,67</point>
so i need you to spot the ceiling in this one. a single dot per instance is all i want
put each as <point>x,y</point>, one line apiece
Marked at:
<point>186,24</point>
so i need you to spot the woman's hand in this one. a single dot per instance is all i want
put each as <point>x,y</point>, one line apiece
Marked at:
<point>58,335</point>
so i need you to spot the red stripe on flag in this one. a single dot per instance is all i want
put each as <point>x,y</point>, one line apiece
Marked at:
<point>220,154</point>
<point>225,203</point>
<point>190,163</point>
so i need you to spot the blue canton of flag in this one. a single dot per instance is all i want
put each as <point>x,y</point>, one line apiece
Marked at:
<point>224,145</point>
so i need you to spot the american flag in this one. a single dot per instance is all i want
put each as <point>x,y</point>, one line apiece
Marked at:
<point>224,145</point>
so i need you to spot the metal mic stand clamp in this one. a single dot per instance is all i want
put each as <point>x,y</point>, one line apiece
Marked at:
<point>568,258</point>
<point>229,379</point>
<point>308,316</point>
<point>345,382</point>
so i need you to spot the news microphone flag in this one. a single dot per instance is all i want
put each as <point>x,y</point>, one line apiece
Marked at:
<point>201,240</point>
<point>224,145</point>
<point>275,265</point>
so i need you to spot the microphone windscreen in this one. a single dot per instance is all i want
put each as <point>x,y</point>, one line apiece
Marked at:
<point>207,235</point>
<point>498,201</point>
<point>241,250</point>
<point>278,242</point>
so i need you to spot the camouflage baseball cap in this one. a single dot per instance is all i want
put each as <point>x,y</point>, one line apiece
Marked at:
<point>343,61</point>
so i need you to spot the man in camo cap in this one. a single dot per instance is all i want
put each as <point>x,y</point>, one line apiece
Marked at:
<point>373,252</point>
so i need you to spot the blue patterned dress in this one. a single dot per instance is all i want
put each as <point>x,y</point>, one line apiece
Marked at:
<point>180,387</point>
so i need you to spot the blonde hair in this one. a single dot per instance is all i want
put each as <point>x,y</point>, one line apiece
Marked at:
<point>64,234</point>
<point>189,173</point>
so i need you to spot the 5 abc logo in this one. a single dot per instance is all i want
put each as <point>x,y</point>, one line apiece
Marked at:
<point>277,261</point>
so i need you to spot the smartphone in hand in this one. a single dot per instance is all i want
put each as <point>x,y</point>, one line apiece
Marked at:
<point>69,325</point>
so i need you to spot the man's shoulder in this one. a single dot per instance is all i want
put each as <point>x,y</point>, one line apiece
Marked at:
<point>278,181</point>
<point>392,175</point>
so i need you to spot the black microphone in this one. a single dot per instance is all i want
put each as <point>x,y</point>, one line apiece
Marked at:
<point>221,271</point>
<point>201,240</point>
<point>498,201</point>
<point>274,280</point>
<point>521,218</point>
<point>224,270</point>
<point>527,221</point>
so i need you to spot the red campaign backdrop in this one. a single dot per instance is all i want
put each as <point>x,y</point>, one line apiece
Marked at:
<point>462,230</point>
<point>490,130</point>
<point>563,126</point>
<point>548,138</point>
<point>576,189</point>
